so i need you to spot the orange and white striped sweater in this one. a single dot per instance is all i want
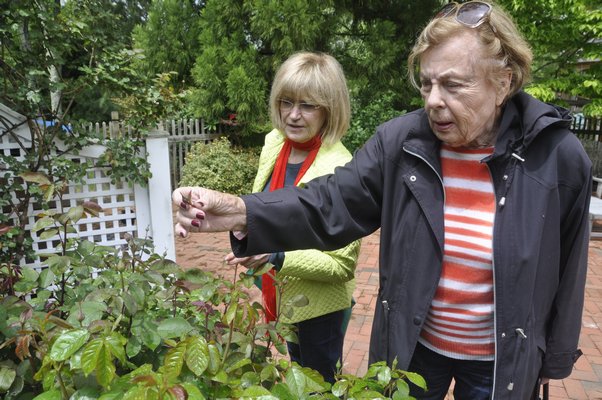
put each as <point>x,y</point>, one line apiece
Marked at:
<point>460,323</point>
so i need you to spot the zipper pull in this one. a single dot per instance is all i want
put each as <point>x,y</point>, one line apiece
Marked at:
<point>521,333</point>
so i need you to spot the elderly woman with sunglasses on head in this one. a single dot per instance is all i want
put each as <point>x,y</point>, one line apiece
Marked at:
<point>310,110</point>
<point>482,200</point>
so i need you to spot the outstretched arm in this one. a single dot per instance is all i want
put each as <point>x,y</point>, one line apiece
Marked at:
<point>204,210</point>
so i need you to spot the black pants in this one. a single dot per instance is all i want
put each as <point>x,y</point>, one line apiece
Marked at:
<point>320,344</point>
<point>473,379</point>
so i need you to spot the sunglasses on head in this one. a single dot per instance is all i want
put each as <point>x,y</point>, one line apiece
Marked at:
<point>470,14</point>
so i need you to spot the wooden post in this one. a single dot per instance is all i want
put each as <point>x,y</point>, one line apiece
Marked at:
<point>114,125</point>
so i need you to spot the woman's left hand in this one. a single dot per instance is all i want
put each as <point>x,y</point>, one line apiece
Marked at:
<point>252,262</point>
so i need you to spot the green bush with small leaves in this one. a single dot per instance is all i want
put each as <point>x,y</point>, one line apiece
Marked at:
<point>221,166</point>
<point>365,119</point>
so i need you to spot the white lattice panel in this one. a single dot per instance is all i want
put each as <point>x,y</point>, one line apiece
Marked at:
<point>126,210</point>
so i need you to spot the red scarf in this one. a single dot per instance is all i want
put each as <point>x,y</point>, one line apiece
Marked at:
<point>268,289</point>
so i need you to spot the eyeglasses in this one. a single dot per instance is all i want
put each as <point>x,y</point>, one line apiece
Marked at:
<point>471,14</point>
<point>305,108</point>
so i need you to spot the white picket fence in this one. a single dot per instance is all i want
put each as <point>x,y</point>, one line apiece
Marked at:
<point>182,135</point>
<point>144,212</point>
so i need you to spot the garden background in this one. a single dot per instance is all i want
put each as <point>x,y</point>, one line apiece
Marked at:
<point>101,314</point>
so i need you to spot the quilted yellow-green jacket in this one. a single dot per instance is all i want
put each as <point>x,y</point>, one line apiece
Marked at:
<point>326,278</point>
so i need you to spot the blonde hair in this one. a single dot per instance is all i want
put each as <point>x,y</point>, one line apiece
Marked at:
<point>317,78</point>
<point>503,46</point>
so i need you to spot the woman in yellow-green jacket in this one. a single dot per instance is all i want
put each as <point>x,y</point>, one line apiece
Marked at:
<point>309,108</point>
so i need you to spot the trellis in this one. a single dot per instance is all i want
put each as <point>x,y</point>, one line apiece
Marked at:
<point>127,210</point>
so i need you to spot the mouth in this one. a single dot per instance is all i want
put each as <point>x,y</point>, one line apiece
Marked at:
<point>442,125</point>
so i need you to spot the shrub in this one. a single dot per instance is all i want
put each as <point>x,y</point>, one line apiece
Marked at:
<point>366,118</point>
<point>220,166</point>
<point>104,324</point>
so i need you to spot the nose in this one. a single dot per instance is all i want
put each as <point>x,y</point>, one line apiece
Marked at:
<point>295,112</point>
<point>434,98</point>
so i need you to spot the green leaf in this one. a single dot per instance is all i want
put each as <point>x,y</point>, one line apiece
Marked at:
<point>416,379</point>
<point>369,395</point>
<point>384,375</point>
<point>29,274</point>
<point>215,358</point>
<point>248,379</point>
<point>174,327</point>
<point>43,223</point>
<point>141,393</point>
<point>257,392</point>
<point>46,278</point>
<point>91,311</point>
<point>193,392</point>
<point>130,303</point>
<point>86,393</point>
<point>133,347</point>
<point>7,377</point>
<point>236,361</point>
<point>230,313</point>
<point>281,391</point>
<point>174,360</point>
<point>296,381</point>
<point>221,377</point>
<point>75,213</point>
<point>149,335</point>
<point>116,343</point>
<point>59,264</point>
<point>269,373</point>
<point>50,395</point>
<point>90,355</point>
<point>340,388</point>
<point>105,370</point>
<point>403,388</point>
<point>35,177</point>
<point>68,343</point>
<point>48,234</point>
<point>197,355</point>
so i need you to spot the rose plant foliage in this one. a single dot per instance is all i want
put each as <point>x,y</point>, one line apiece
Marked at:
<point>103,323</point>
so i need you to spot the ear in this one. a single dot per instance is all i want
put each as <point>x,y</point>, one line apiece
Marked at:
<point>503,86</point>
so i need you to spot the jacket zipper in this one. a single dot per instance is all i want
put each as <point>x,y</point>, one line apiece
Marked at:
<point>495,340</point>
<point>386,309</point>
<point>433,168</point>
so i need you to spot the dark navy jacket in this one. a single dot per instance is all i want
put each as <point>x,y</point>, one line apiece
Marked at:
<point>542,179</point>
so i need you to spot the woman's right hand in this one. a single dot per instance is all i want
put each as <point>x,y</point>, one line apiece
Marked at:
<point>205,210</point>
<point>251,262</point>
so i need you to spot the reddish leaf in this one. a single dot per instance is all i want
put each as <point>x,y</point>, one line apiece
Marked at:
<point>92,208</point>
<point>178,392</point>
<point>5,228</point>
<point>148,379</point>
<point>22,350</point>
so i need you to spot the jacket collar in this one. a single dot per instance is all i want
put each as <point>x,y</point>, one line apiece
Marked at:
<point>522,120</point>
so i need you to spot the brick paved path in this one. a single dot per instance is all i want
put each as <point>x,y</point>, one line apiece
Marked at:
<point>208,250</point>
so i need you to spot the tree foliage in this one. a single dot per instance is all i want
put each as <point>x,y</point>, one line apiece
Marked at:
<point>566,37</point>
<point>243,43</point>
<point>169,39</point>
